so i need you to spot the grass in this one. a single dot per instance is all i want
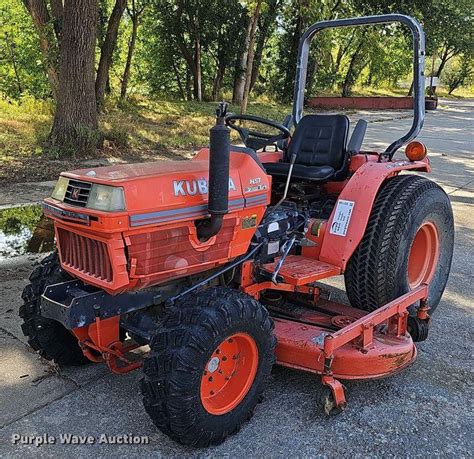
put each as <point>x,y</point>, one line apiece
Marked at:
<point>139,130</point>
<point>163,125</point>
<point>22,126</point>
<point>140,127</point>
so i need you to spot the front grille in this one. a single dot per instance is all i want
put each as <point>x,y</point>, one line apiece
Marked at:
<point>77,193</point>
<point>86,255</point>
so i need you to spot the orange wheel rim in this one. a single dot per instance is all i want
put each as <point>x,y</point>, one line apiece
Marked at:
<point>229,374</point>
<point>424,254</point>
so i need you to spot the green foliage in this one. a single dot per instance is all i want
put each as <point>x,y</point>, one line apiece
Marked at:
<point>14,219</point>
<point>22,70</point>
<point>448,25</point>
<point>340,59</point>
<point>460,75</point>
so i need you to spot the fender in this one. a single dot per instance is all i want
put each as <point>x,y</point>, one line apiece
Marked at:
<point>348,221</point>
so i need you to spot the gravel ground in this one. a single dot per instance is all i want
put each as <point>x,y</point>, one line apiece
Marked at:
<point>425,411</point>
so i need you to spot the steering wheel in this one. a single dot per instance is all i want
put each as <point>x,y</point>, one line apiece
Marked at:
<point>254,139</point>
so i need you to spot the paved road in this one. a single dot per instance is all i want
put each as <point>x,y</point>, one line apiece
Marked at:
<point>427,410</point>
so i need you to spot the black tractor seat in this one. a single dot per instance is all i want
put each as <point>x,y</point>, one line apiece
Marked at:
<point>320,144</point>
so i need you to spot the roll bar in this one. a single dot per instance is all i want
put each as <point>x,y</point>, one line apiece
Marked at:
<point>418,68</point>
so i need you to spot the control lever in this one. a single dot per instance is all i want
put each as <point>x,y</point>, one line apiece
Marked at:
<point>286,250</point>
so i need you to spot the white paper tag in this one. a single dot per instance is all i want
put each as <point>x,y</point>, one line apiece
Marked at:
<point>273,247</point>
<point>342,217</point>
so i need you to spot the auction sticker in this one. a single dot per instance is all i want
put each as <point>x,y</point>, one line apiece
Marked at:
<point>342,217</point>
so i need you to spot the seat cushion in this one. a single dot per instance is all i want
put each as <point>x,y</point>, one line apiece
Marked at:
<point>312,173</point>
<point>320,140</point>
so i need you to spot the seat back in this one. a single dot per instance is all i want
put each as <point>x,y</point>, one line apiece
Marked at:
<point>320,140</point>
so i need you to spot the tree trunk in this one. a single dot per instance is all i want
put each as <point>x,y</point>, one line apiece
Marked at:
<point>444,61</point>
<point>75,129</point>
<point>178,80</point>
<point>250,57</point>
<point>192,56</point>
<point>300,8</point>
<point>197,69</point>
<point>57,11</point>
<point>128,64</point>
<point>349,79</point>
<point>241,69</point>
<point>264,28</point>
<point>11,46</point>
<point>311,73</point>
<point>189,94</point>
<point>41,19</point>
<point>107,50</point>
<point>218,80</point>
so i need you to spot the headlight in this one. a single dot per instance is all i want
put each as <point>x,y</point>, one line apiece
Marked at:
<point>60,189</point>
<point>103,197</point>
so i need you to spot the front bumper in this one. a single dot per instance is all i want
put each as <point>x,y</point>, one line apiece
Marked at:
<point>75,304</point>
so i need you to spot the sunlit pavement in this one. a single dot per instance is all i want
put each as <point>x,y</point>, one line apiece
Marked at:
<point>422,411</point>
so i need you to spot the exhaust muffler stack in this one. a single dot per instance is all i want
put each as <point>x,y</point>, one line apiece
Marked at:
<point>219,158</point>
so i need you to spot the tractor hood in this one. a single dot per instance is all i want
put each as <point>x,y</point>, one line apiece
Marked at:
<point>162,186</point>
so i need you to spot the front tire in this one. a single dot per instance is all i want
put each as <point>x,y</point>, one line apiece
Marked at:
<point>48,337</point>
<point>408,241</point>
<point>208,366</point>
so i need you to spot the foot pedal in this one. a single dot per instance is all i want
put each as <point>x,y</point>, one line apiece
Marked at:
<point>298,270</point>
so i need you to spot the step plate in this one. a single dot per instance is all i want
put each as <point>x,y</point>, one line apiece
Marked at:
<point>298,270</point>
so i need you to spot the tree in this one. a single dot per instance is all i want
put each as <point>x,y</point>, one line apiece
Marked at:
<point>48,37</point>
<point>448,28</point>
<point>250,55</point>
<point>189,22</point>
<point>356,63</point>
<point>106,51</point>
<point>223,43</point>
<point>460,75</point>
<point>75,127</point>
<point>14,60</point>
<point>267,20</point>
<point>297,15</point>
<point>205,35</point>
<point>135,10</point>
<point>240,66</point>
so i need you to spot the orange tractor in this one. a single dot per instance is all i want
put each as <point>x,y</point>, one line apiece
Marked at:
<point>214,262</point>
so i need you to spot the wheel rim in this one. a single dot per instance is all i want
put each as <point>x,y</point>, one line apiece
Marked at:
<point>424,254</point>
<point>229,374</point>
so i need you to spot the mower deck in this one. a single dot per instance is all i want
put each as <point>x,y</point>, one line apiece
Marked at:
<point>339,341</point>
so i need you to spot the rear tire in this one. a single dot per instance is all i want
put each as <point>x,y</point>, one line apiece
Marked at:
<point>48,337</point>
<point>387,263</point>
<point>208,366</point>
